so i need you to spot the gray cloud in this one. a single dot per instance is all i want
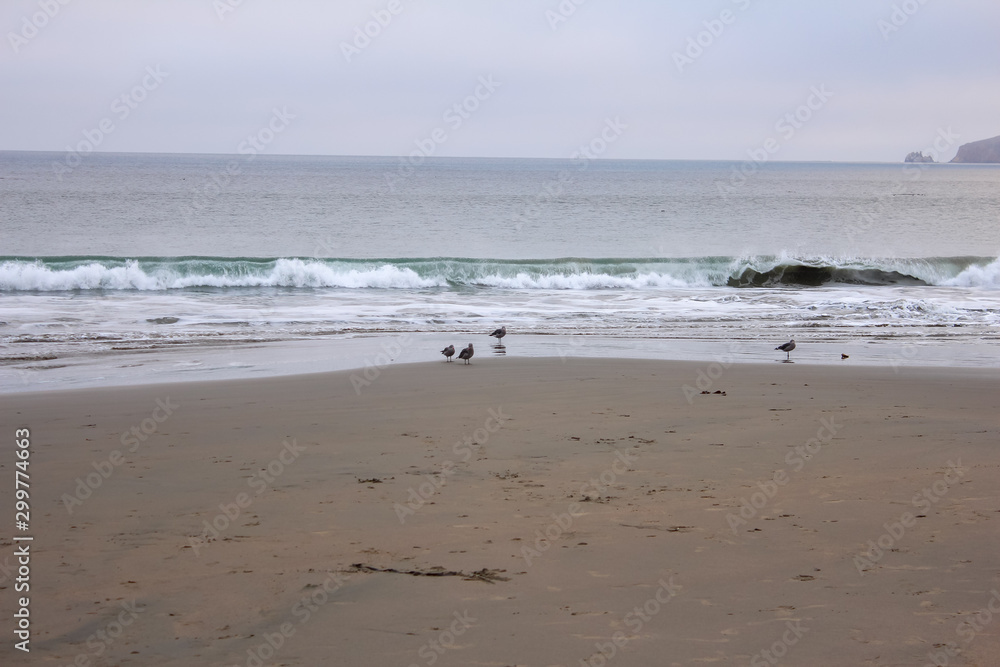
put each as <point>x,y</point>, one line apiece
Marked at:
<point>892,89</point>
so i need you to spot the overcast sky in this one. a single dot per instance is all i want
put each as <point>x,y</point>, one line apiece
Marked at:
<point>202,75</point>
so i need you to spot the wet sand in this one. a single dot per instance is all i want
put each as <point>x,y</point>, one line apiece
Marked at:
<point>516,512</point>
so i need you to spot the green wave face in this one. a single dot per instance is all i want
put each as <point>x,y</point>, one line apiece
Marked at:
<point>166,273</point>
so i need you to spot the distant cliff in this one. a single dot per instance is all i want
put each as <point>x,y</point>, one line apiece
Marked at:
<point>980,152</point>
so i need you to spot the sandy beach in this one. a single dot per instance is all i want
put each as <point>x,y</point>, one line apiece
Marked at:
<point>515,512</point>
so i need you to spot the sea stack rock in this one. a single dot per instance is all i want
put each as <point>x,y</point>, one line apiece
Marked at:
<point>918,156</point>
<point>986,151</point>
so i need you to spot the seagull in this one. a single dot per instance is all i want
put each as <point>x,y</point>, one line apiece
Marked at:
<point>500,333</point>
<point>448,352</point>
<point>787,348</point>
<point>466,353</point>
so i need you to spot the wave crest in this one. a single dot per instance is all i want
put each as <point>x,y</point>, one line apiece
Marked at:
<point>111,273</point>
<point>814,276</point>
<point>977,276</point>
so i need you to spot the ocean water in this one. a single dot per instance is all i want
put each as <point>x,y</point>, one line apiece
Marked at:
<point>131,268</point>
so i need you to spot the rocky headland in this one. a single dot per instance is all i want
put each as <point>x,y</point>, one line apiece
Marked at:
<point>986,151</point>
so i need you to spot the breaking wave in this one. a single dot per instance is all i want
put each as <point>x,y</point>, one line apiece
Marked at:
<point>171,273</point>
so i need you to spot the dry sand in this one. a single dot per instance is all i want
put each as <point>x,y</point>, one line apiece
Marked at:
<point>639,491</point>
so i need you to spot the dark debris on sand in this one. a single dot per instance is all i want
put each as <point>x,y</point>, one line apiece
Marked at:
<point>485,574</point>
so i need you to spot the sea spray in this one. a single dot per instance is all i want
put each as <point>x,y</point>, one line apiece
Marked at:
<point>172,273</point>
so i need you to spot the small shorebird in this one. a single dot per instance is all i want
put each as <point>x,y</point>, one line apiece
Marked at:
<point>500,333</point>
<point>448,352</point>
<point>787,349</point>
<point>844,356</point>
<point>466,353</point>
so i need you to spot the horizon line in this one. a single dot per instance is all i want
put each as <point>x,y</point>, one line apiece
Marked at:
<point>482,157</point>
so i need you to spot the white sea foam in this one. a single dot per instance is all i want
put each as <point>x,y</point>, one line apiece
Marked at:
<point>585,281</point>
<point>35,276</point>
<point>15,275</point>
<point>63,274</point>
<point>977,276</point>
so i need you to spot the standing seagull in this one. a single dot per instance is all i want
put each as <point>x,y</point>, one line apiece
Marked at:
<point>787,349</point>
<point>500,333</point>
<point>466,353</point>
<point>448,352</point>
